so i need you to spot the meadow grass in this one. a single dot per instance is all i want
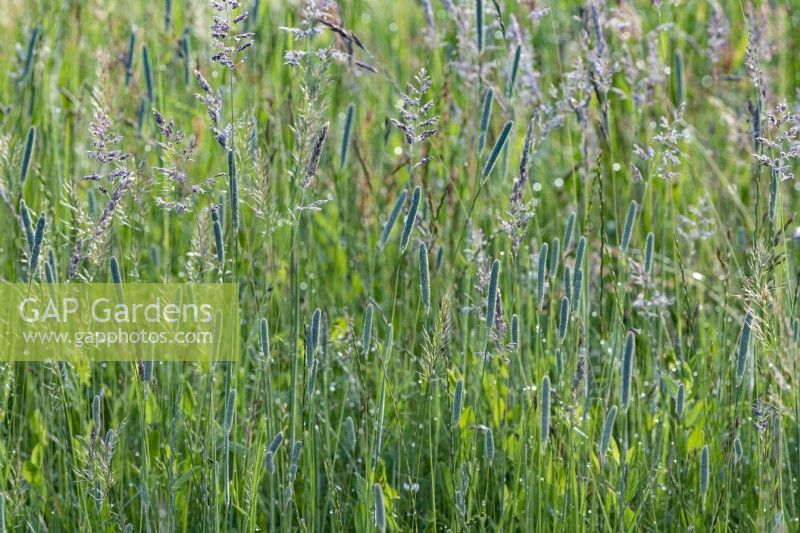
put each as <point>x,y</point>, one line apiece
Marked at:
<point>502,265</point>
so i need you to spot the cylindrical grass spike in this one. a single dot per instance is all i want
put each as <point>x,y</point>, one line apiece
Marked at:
<point>491,298</point>
<point>515,330</point>
<point>348,124</point>
<point>265,338</point>
<point>96,414</point>
<point>514,71</point>
<point>233,187</point>
<point>218,243</point>
<point>568,231</point>
<point>27,154</point>
<point>37,245</point>
<point>458,398</point>
<point>498,146</point>
<point>648,253</point>
<point>316,318</point>
<point>488,444</point>
<point>424,278</point>
<point>479,24</point>
<point>148,73</point>
<point>704,472</point>
<point>567,282</point>
<point>608,428</point>
<point>563,318</point>
<point>555,251</point>
<point>350,432</point>
<point>380,510</point>
<point>545,407</point>
<point>627,368</point>
<point>27,225</point>
<point>628,230</point>
<point>366,335</point>
<point>485,116</point>
<point>680,397</point>
<point>411,217</point>
<point>129,58</point>
<point>744,344</point>
<point>541,272</point>
<point>576,289</point>
<point>272,449</point>
<point>387,227</point>
<point>230,407</point>
<point>579,251</point>
<point>116,276</point>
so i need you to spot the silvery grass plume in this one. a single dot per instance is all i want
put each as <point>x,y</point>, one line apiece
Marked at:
<point>627,368</point>
<point>316,154</point>
<point>390,221</point>
<point>608,428</point>
<point>519,211</point>
<point>228,45</point>
<point>744,345</point>
<point>380,510</point>
<point>416,121</point>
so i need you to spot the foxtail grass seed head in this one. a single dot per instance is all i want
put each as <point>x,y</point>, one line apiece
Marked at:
<point>265,338</point>
<point>515,330</point>
<point>580,249</point>
<point>230,408</point>
<point>567,282</point>
<point>366,335</point>
<point>233,188</point>
<point>129,58</point>
<point>627,368</point>
<point>37,245</point>
<point>272,449</point>
<point>738,452</point>
<point>30,142</point>
<point>116,277</point>
<point>563,318</point>
<point>704,472</point>
<point>424,278</point>
<point>678,62</point>
<point>350,432</point>
<point>488,444</point>
<point>744,345</point>
<point>348,124</point>
<point>309,346</point>
<point>777,523</point>
<point>148,74</point>
<point>680,398</point>
<point>411,217</point>
<point>316,318</point>
<point>387,227</point>
<point>545,407</point>
<point>53,262</point>
<point>48,273</point>
<point>27,225</point>
<point>648,253</point>
<point>554,257</point>
<point>485,116</point>
<point>498,147</point>
<point>559,362</point>
<point>568,231</point>
<point>491,298</point>
<point>218,242</point>
<point>380,510</point>
<point>458,398</point>
<point>146,372</point>
<point>608,429</point>
<point>541,273</point>
<point>628,230</point>
<point>312,378</point>
<point>514,71</point>
<point>576,289</point>
<point>479,24</point>
<point>96,414</point>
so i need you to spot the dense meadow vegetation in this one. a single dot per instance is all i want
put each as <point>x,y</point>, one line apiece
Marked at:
<point>502,265</point>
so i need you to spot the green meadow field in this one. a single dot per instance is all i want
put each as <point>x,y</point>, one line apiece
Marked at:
<point>501,265</point>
